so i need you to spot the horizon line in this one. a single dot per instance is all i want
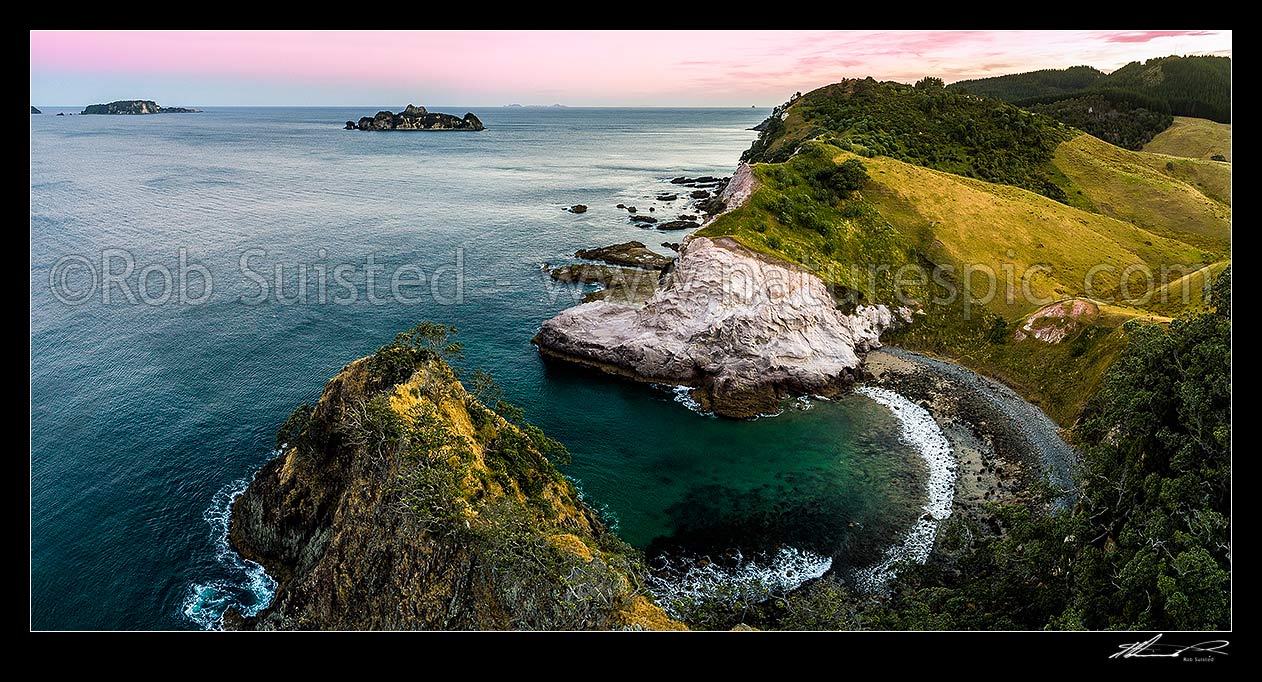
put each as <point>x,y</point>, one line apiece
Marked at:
<point>449,106</point>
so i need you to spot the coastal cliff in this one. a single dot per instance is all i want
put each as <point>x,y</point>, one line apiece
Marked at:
<point>135,107</point>
<point>416,118</point>
<point>742,329</point>
<point>401,501</point>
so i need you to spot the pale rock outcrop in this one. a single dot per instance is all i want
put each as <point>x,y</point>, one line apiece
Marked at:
<point>739,327</point>
<point>738,189</point>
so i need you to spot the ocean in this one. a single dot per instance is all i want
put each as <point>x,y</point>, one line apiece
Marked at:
<point>194,277</point>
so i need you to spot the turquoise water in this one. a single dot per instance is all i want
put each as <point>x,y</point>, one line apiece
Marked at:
<point>141,413</point>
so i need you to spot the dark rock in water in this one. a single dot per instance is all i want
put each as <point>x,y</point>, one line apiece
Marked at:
<point>630,209</point>
<point>350,125</point>
<point>622,285</point>
<point>35,111</point>
<point>631,254</point>
<point>643,219</point>
<point>703,180</point>
<point>419,118</point>
<point>135,107</point>
<point>667,197</point>
<point>620,206</point>
<point>687,216</point>
<point>651,209</point>
<point>61,113</point>
<point>678,225</point>
<point>711,206</point>
<point>578,208</point>
<point>699,194</point>
<point>673,246</point>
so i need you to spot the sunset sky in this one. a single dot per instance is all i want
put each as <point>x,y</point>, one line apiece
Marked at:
<point>581,68</point>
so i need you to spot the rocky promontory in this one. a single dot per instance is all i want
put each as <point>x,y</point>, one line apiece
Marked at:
<point>402,502</point>
<point>416,118</point>
<point>740,328</point>
<point>35,111</point>
<point>135,107</point>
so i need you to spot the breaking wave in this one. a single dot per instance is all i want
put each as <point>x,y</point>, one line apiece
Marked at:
<point>680,583</point>
<point>921,432</point>
<point>249,589</point>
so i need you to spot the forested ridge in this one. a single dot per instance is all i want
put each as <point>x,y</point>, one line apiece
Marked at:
<point>1127,107</point>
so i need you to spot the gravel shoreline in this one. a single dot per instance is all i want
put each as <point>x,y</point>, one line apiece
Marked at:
<point>1002,443</point>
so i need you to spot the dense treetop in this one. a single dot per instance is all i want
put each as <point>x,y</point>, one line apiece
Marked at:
<point>1198,86</point>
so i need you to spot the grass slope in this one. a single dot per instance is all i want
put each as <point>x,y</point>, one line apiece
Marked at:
<point>1193,138</point>
<point>911,215</point>
<point>928,126</point>
<point>1180,198</point>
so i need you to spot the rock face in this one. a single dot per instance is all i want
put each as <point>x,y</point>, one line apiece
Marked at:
<point>1052,323</point>
<point>413,506</point>
<point>418,118</point>
<point>741,330</point>
<point>135,107</point>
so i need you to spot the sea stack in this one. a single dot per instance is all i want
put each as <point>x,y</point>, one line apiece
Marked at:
<point>417,118</point>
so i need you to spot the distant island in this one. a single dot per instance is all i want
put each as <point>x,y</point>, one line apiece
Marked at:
<point>535,106</point>
<point>135,107</point>
<point>416,118</point>
<point>35,111</point>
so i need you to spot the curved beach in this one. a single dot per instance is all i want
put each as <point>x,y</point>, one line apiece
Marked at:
<point>1002,443</point>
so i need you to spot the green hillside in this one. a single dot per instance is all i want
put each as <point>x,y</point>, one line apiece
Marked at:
<point>1032,84</point>
<point>906,214</point>
<point>1127,107</point>
<point>1193,138</point>
<point>905,195</point>
<point>924,125</point>
<point>1153,192</point>
<point>1198,86</point>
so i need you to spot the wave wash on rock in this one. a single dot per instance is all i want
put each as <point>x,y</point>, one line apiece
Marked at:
<point>740,328</point>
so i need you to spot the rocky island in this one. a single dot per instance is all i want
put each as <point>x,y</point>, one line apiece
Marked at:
<point>135,107</point>
<point>416,118</point>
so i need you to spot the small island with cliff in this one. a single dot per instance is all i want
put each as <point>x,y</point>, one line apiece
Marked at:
<point>416,118</point>
<point>132,107</point>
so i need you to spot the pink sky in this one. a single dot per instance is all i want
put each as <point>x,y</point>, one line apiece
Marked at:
<point>616,68</point>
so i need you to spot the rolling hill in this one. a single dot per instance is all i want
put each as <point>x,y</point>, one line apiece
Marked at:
<point>956,181</point>
<point>1198,86</point>
<point>873,186</point>
<point>1193,138</point>
<point>1127,107</point>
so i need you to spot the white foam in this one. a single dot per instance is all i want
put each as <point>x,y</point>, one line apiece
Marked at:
<point>680,582</point>
<point>207,602</point>
<point>921,432</point>
<point>607,516</point>
<point>683,396</point>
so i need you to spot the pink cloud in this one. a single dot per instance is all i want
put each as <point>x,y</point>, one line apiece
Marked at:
<point>1146,36</point>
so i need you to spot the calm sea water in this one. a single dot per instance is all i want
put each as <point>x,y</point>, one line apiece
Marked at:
<point>141,412</point>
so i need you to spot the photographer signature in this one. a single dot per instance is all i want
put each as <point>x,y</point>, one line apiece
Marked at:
<point>1154,649</point>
